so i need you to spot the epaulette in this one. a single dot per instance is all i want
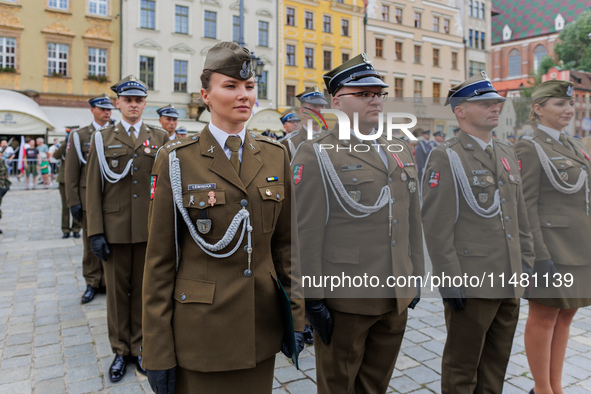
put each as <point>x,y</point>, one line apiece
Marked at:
<point>179,143</point>
<point>260,137</point>
<point>290,135</point>
<point>450,142</point>
<point>105,127</point>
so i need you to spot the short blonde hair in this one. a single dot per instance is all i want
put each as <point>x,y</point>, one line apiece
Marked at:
<point>532,114</point>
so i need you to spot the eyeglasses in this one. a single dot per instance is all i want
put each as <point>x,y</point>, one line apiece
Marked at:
<point>367,96</point>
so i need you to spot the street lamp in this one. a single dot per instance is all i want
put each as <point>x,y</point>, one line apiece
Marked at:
<point>258,65</point>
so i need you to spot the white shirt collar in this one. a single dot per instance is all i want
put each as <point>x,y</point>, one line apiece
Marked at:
<point>483,144</point>
<point>98,126</point>
<point>136,126</point>
<point>221,136</point>
<point>551,132</point>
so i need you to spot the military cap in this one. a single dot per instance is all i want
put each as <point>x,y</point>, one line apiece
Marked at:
<point>553,88</point>
<point>168,110</point>
<point>438,134</point>
<point>511,136</point>
<point>289,116</point>
<point>181,130</point>
<point>229,59</point>
<point>357,71</point>
<point>313,96</point>
<point>476,88</point>
<point>426,132</point>
<point>130,86</point>
<point>101,102</point>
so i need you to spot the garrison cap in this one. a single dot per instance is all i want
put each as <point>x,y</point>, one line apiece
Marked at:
<point>289,116</point>
<point>101,102</point>
<point>168,110</point>
<point>357,71</point>
<point>181,130</point>
<point>553,88</point>
<point>313,96</point>
<point>130,86</point>
<point>229,59</point>
<point>477,88</point>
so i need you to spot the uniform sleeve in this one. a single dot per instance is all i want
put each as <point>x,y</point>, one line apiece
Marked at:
<point>72,178</point>
<point>417,255</point>
<point>531,172</point>
<point>439,214</point>
<point>94,193</point>
<point>158,349</point>
<point>59,152</point>
<point>284,247</point>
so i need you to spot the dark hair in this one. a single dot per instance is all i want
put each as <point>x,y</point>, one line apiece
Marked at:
<point>206,81</point>
<point>542,102</point>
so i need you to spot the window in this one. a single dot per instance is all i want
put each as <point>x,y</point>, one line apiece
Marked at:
<point>475,68</point>
<point>57,59</point>
<point>345,57</point>
<point>97,61</point>
<point>418,90</point>
<point>476,39</point>
<point>181,19</point>
<point>262,86</point>
<point>470,8</point>
<point>290,95</point>
<point>210,24</point>
<point>290,16</point>
<point>309,57</point>
<point>446,26</point>
<point>436,92</point>
<point>482,10</point>
<point>454,60</point>
<point>147,71</point>
<point>470,38</point>
<point>98,7</point>
<point>385,12</point>
<point>379,47</point>
<point>345,27</point>
<point>180,75</point>
<point>539,54</point>
<point>398,51</point>
<point>435,57</point>
<point>475,10</point>
<point>435,23</point>
<point>235,28</point>
<point>59,4</point>
<point>398,15</point>
<point>7,52</point>
<point>148,14</point>
<point>417,53</point>
<point>418,20</point>
<point>309,20</point>
<point>263,34</point>
<point>514,63</point>
<point>398,87</point>
<point>326,24</point>
<point>290,55</point>
<point>327,60</point>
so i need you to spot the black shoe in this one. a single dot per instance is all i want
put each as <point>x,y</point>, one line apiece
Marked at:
<point>66,235</point>
<point>117,369</point>
<point>308,334</point>
<point>76,235</point>
<point>531,391</point>
<point>88,294</point>
<point>138,361</point>
<point>101,290</point>
<point>0,231</point>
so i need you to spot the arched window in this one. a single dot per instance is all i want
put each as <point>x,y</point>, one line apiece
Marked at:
<point>514,63</point>
<point>539,54</point>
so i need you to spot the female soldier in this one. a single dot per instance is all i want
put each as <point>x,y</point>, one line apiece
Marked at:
<point>555,173</point>
<point>219,243</point>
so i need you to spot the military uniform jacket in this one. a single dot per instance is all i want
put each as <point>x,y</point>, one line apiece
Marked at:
<point>119,210</point>
<point>461,242</point>
<point>333,243</point>
<point>75,170</point>
<point>424,147</point>
<point>293,140</point>
<point>4,181</point>
<point>559,224</point>
<point>60,154</point>
<point>209,316</point>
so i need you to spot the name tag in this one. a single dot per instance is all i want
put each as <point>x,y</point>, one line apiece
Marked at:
<point>204,186</point>
<point>87,144</point>
<point>352,167</point>
<point>114,146</point>
<point>558,158</point>
<point>480,172</point>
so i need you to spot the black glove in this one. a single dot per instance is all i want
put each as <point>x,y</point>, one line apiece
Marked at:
<point>526,269</point>
<point>454,296</point>
<point>320,318</point>
<point>415,300</point>
<point>76,211</point>
<point>162,382</point>
<point>543,267</point>
<point>299,343</point>
<point>99,246</point>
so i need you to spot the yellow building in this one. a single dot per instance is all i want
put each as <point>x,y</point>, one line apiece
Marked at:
<point>59,52</point>
<point>317,36</point>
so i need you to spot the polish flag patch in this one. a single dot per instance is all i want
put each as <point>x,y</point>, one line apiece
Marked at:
<point>153,186</point>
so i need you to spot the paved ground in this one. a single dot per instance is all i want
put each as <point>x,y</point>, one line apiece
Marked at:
<point>50,343</point>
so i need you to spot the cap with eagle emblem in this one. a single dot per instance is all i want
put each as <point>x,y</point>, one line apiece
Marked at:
<point>553,88</point>
<point>229,59</point>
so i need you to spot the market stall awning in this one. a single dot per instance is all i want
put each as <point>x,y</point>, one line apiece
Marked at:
<point>266,119</point>
<point>21,115</point>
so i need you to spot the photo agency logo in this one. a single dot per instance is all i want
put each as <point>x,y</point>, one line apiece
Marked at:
<point>393,121</point>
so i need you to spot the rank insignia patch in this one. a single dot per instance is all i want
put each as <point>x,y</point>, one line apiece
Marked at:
<point>298,170</point>
<point>153,186</point>
<point>434,179</point>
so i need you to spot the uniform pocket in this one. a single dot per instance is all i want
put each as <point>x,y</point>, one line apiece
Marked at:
<point>550,221</point>
<point>357,177</point>
<point>341,254</point>
<point>272,197</point>
<point>187,291</point>
<point>111,207</point>
<point>466,248</point>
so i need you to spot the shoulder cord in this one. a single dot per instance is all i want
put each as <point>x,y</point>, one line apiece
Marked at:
<point>242,217</point>
<point>458,172</point>
<point>76,138</point>
<point>339,190</point>
<point>106,172</point>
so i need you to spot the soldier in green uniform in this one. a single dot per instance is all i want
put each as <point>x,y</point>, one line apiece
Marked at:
<point>358,214</point>
<point>117,202</point>
<point>555,170</point>
<point>75,182</point>
<point>60,154</point>
<point>212,318</point>
<point>169,118</point>
<point>475,224</point>
<point>4,182</point>
<point>291,122</point>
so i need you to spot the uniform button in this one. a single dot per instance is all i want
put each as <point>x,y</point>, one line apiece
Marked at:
<point>506,218</point>
<point>395,222</point>
<point>243,203</point>
<point>135,182</point>
<point>518,180</point>
<point>584,167</point>
<point>135,196</point>
<point>135,155</point>
<point>183,297</point>
<point>465,251</point>
<point>482,183</point>
<point>500,183</point>
<point>469,145</point>
<point>114,154</point>
<point>393,200</point>
<point>354,179</point>
<point>135,168</point>
<point>504,201</point>
<point>105,210</point>
<point>389,180</point>
<point>393,243</point>
<point>278,197</point>
<point>202,204</point>
<point>510,237</point>
<point>548,224</point>
<point>194,138</point>
<point>562,166</point>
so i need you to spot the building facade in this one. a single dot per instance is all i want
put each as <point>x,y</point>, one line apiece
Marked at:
<point>476,23</point>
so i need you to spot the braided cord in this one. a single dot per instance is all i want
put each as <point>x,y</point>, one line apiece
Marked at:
<point>76,138</point>
<point>106,172</point>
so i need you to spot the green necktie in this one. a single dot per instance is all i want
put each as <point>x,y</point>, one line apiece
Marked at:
<point>491,153</point>
<point>132,134</point>
<point>565,142</point>
<point>234,144</point>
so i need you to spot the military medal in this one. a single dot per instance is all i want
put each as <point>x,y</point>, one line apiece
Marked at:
<point>412,186</point>
<point>268,192</point>
<point>506,164</point>
<point>147,150</point>
<point>489,179</point>
<point>483,197</point>
<point>204,225</point>
<point>586,155</point>
<point>564,176</point>
<point>512,178</point>
<point>114,163</point>
<point>400,164</point>
<point>403,176</point>
<point>211,200</point>
<point>355,195</point>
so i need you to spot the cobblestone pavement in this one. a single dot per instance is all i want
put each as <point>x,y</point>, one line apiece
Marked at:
<point>50,343</point>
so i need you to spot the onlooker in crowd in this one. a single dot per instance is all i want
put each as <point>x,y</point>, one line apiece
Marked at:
<point>4,182</point>
<point>439,137</point>
<point>7,154</point>
<point>44,169</point>
<point>53,162</point>
<point>31,163</point>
